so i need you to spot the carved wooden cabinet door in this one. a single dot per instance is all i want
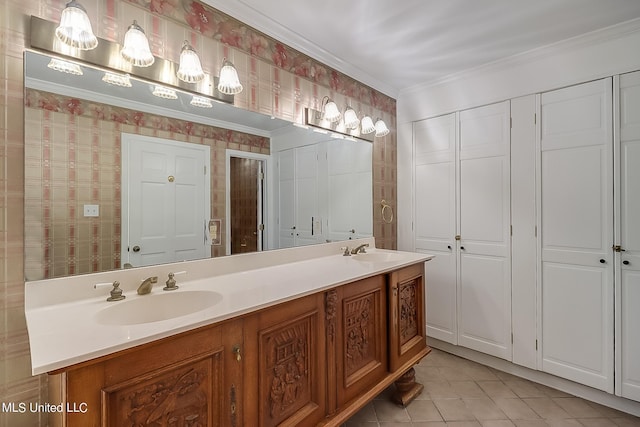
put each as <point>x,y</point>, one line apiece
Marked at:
<point>285,366</point>
<point>407,335</point>
<point>360,338</point>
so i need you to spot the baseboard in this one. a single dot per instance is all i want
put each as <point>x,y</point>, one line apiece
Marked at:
<point>575,389</point>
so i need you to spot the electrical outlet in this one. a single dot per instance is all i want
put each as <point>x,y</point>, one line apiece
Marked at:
<point>91,210</point>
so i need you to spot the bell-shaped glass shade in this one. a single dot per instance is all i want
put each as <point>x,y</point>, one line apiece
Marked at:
<point>65,67</point>
<point>201,101</point>
<point>115,79</point>
<point>381,128</point>
<point>136,47</point>
<point>351,120</point>
<point>367,126</point>
<point>190,69</point>
<point>75,28</point>
<point>229,82</point>
<point>331,112</point>
<point>164,92</point>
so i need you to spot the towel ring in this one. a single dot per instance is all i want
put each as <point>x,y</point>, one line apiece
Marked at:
<point>386,218</point>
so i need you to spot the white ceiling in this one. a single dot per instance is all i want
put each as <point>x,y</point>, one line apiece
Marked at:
<point>395,44</point>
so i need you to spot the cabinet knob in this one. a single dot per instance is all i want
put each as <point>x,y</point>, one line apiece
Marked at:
<point>449,247</point>
<point>625,262</point>
<point>236,351</point>
<point>462,248</point>
<point>602,261</point>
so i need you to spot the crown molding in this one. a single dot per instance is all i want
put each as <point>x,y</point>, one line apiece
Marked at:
<point>248,15</point>
<point>594,37</point>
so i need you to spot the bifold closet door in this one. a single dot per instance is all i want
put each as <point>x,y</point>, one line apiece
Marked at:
<point>577,233</point>
<point>628,303</point>
<point>484,286</point>
<point>435,219</point>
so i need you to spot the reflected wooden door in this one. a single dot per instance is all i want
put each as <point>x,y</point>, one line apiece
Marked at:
<point>246,204</point>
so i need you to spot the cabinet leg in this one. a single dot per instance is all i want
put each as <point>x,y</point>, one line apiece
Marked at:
<point>407,388</point>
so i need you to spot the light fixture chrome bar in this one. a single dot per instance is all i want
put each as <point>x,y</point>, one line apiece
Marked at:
<point>107,55</point>
<point>314,119</point>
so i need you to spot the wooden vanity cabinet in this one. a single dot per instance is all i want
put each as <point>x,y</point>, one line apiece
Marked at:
<point>312,361</point>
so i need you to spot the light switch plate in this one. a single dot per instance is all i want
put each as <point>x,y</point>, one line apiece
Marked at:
<point>91,210</point>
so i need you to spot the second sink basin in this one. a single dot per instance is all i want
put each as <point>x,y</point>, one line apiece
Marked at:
<point>377,256</point>
<point>156,307</point>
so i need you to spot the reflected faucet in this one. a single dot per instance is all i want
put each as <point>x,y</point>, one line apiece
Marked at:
<point>360,249</point>
<point>147,284</point>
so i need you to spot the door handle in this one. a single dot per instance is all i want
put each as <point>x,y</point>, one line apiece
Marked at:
<point>625,262</point>
<point>602,261</point>
<point>136,248</point>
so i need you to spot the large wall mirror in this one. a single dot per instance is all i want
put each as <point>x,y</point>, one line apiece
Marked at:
<point>266,183</point>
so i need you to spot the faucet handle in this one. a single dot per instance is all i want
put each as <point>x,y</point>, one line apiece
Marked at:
<point>347,251</point>
<point>171,282</point>
<point>116,292</point>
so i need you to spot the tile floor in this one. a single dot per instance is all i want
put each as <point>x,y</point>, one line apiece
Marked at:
<point>462,393</point>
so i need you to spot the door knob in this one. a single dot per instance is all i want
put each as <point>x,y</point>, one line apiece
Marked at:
<point>449,247</point>
<point>462,248</point>
<point>136,248</point>
<point>602,261</point>
<point>625,262</point>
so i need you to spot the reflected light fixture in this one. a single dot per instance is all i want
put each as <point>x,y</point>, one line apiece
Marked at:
<point>229,82</point>
<point>367,126</point>
<point>115,79</point>
<point>65,67</point>
<point>351,120</point>
<point>330,111</point>
<point>75,27</point>
<point>136,47</point>
<point>190,69</point>
<point>381,128</point>
<point>164,92</point>
<point>201,101</point>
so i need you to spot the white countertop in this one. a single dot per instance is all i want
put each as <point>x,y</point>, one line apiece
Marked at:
<point>61,313</point>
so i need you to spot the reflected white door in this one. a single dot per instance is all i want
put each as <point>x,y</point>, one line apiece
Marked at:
<point>484,295</point>
<point>165,200</point>
<point>577,225</point>
<point>286,199</point>
<point>435,220</point>
<point>628,302</point>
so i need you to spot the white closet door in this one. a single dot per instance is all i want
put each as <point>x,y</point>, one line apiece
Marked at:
<point>286,199</point>
<point>306,165</point>
<point>629,287</point>
<point>484,296</point>
<point>435,220</point>
<point>577,226</point>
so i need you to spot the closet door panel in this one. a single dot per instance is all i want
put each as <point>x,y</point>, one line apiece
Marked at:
<point>435,220</point>
<point>484,289</point>
<point>629,290</point>
<point>577,224</point>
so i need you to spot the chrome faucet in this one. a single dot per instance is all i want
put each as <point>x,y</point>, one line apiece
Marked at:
<point>360,249</point>
<point>147,284</point>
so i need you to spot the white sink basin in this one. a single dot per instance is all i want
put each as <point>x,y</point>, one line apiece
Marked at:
<point>156,307</point>
<point>378,257</point>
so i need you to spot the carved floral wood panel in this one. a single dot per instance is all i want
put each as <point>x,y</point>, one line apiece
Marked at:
<point>359,334</point>
<point>285,377</point>
<point>408,310</point>
<point>183,396</point>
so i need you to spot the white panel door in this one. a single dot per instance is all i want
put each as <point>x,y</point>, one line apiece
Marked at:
<point>435,220</point>
<point>628,301</point>
<point>165,200</point>
<point>286,199</point>
<point>484,286</point>
<point>577,229</point>
<point>306,165</point>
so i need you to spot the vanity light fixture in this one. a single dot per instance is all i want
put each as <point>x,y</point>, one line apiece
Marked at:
<point>75,27</point>
<point>190,69</point>
<point>351,120</point>
<point>65,67</point>
<point>367,126</point>
<point>201,101</point>
<point>381,128</point>
<point>330,111</point>
<point>136,47</point>
<point>116,79</point>
<point>229,82</point>
<point>164,92</point>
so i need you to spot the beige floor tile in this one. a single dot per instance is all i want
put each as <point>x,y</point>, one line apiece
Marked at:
<point>453,410</point>
<point>387,411</point>
<point>524,388</point>
<point>366,414</point>
<point>467,389</point>
<point>546,408</point>
<point>627,422</point>
<point>496,389</point>
<point>484,409</point>
<point>597,422</point>
<point>423,410</point>
<point>577,407</point>
<point>352,423</point>
<point>451,373</point>
<point>516,409</point>
<point>479,373</point>
<point>531,423</point>
<point>440,390</point>
<point>464,424</point>
<point>567,422</point>
<point>497,423</point>
<point>429,424</point>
